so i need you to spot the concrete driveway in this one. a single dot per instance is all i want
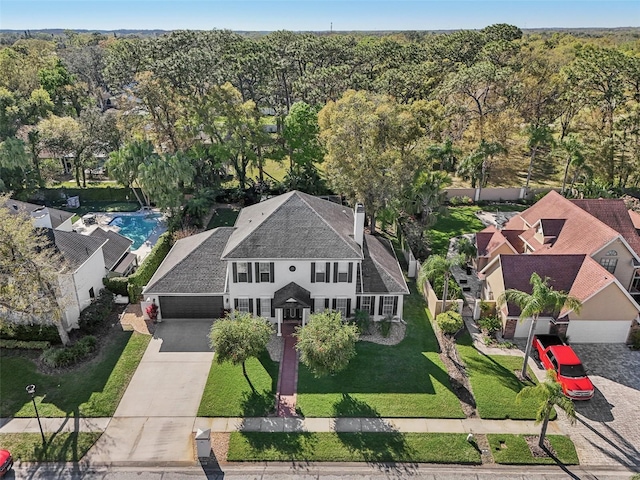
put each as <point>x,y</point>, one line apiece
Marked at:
<point>155,418</point>
<point>608,427</point>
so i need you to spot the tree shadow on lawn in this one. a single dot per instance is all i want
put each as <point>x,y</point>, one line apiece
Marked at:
<point>258,404</point>
<point>290,444</point>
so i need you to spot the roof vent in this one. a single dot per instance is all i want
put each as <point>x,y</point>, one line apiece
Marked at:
<point>15,207</point>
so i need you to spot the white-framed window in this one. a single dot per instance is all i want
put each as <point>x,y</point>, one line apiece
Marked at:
<point>243,272</point>
<point>341,306</point>
<point>343,271</point>
<point>609,263</point>
<point>243,305</point>
<point>365,303</point>
<point>265,272</point>
<point>318,305</point>
<point>320,272</point>
<point>265,307</point>
<point>387,305</point>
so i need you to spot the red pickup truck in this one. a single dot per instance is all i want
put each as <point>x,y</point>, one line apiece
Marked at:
<point>555,355</point>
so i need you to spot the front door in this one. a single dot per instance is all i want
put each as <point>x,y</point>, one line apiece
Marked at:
<point>292,314</point>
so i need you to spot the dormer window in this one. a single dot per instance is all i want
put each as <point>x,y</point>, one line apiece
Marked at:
<point>612,253</point>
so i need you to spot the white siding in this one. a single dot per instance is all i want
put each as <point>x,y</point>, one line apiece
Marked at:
<point>88,276</point>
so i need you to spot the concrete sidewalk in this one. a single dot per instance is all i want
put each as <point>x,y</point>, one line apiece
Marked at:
<point>69,424</point>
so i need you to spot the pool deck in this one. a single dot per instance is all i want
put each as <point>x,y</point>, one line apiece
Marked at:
<point>102,219</point>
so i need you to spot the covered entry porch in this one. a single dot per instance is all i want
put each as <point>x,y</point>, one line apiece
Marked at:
<point>292,305</point>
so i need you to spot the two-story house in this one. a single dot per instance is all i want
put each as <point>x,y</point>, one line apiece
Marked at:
<point>284,259</point>
<point>588,248</point>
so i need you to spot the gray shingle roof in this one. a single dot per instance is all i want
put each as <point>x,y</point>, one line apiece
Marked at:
<point>58,217</point>
<point>193,265</point>
<point>116,247</point>
<point>294,225</point>
<point>75,248</point>
<point>381,272</point>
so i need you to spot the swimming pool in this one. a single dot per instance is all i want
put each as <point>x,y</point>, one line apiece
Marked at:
<point>136,227</point>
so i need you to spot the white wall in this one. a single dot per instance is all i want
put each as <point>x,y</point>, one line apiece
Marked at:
<point>605,331</point>
<point>282,277</point>
<point>522,327</point>
<point>89,275</point>
<point>68,301</point>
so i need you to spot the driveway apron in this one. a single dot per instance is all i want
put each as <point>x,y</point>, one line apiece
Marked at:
<point>154,420</point>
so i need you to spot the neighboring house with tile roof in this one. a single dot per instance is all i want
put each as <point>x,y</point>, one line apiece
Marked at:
<point>284,259</point>
<point>589,248</point>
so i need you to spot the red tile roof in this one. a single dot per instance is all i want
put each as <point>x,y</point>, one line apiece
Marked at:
<point>488,240</point>
<point>635,218</point>
<point>513,237</point>
<point>613,213</point>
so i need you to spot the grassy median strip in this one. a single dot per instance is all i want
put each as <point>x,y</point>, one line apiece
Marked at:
<point>352,447</point>
<point>404,380</point>
<point>59,447</point>
<point>228,394</point>
<point>514,450</point>
<point>92,390</point>
<point>495,384</point>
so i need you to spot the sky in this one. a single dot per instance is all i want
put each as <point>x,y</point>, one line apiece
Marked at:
<point>316,15</point>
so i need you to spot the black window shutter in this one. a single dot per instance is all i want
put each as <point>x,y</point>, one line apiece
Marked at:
<point>257,272</point>
<point>326,303</point>
<point>313,272</point>
<point>273,309</point>
<point>235,272</point>
<point>357,303</point>
<point>249,272</point>
<point>272,270</point>
<point>333,304</point>
<point>313,305</point>
<point>251,305</point>
<point>335,272</point>
<point>350,272</point>
<point>327,271</point>
<point>348,307</point>
<point>395,305</point>
<point>258,307</point>
<point>381,301</point>
<point>235,303</point>
<point>372,308</point>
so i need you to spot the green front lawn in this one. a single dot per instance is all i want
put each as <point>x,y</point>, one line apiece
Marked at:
<point>514,450</point>
<point>457,221</point>
<point>92,390</point>
<point>223,217</point>
<point>405,380</point>
<point>60,447</point>
<point>352,447</point>
<point>495,384</point>
<point>228,394</point>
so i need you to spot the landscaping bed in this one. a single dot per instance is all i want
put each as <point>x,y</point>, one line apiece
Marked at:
<point>60,447</point>
<point>516,449</point>
<point>352,447</point>
<point>403,380</point>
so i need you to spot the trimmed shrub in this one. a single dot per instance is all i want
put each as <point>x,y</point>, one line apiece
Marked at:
<point>93,317</point>
<point>66,356</point>
<point>149,266</point>
<point>491,325</point>
<point>30,333</point>
<point>362,320</point>
<point>117,285</point>
<point>384,326</point>
<point>635,340</point>
<point>449,322</point>
<point>11,344</point>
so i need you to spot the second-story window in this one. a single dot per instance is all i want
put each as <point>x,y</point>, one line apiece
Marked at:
<point>243,272</point>
<point>609,263</point>
<point>343,271</point>
<point>265,272</point>
<point>320,271</point>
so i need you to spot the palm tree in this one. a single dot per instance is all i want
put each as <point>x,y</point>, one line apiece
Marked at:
<point>445,154</point>
<point>539,138</point>
<point>467,249</point>
<point>436,266</point>
<point>550,394</point>
<point>543,298</point>
<point>476,165</point>
<point>574,151</point>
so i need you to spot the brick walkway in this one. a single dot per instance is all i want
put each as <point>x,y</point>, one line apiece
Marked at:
<point>131,319</point>
<point>288,377</point>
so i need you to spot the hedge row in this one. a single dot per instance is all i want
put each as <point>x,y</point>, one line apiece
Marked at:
<point>54,196</point>
<point>117,285</point>
<point>149,266</point>
<point>66,356</point>
<point>93,317</point>
<point>25,345</point>
<point>29,333</point>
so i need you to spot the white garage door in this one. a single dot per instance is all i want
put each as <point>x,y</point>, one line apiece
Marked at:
<point>605,331</point>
